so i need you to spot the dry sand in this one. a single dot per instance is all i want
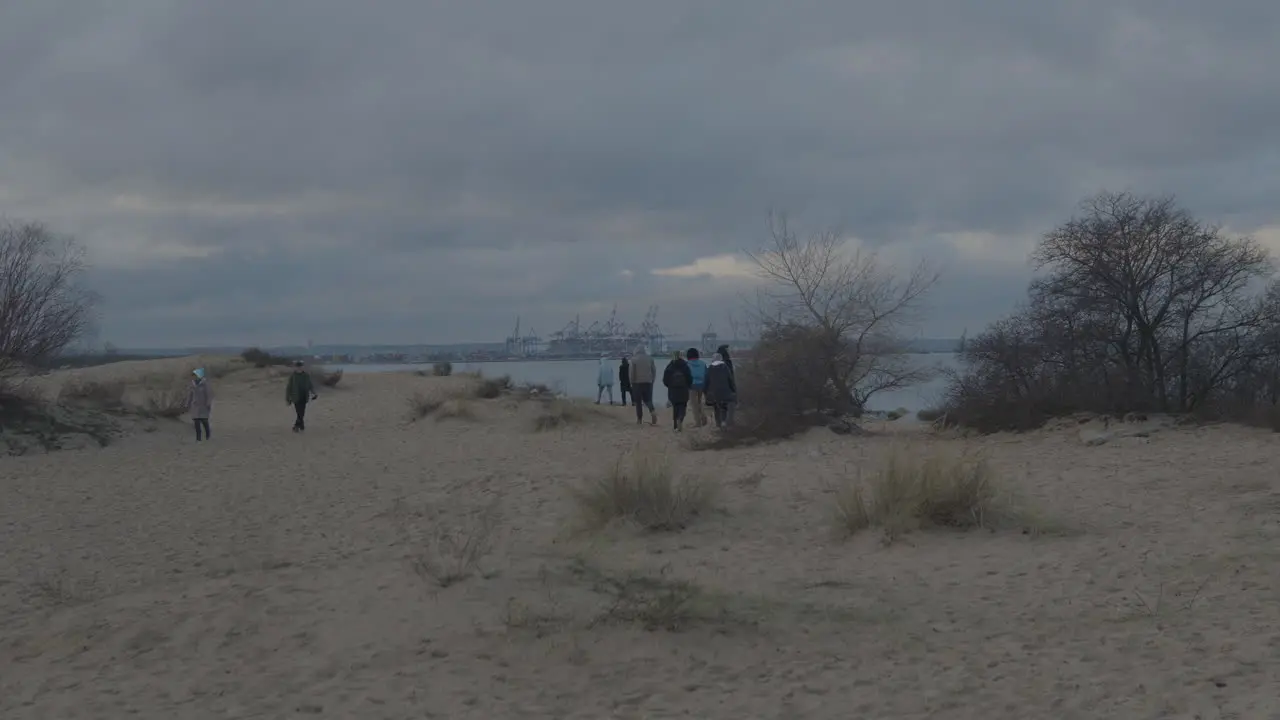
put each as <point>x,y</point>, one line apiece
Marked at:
<point>273,575</point>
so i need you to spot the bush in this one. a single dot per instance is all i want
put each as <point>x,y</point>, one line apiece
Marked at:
<point>421,405</point>
<point>930,415</point>
<point>260,358</point>
<point>168,402</point>
<point>329,379</point>
<point>455,409</point>
<point>491,388</point>
<point>103,395</point>
<point>442,369</point>
<point>646,493</point>
<point>911,492</point>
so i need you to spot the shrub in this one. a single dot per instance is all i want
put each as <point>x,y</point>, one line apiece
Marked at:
<point>104,395</point>
<point>329,379</point>
<point>490,388</point>
<point>260,358</point>
<point>647,493</point>
<point>910,492</point>
<point>170,402</point>
<point>930,415</point>
<point>422,405</point>
<point>442,369</point>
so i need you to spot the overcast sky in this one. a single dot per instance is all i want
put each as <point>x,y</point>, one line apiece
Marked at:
<point>264,172</point>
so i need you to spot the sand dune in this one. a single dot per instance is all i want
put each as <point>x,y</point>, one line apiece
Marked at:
<point>267,574</point>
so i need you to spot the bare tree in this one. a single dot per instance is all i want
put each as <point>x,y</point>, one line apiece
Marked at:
<point>1141,307</point>
<point>843,310</point>
<point>44,306</point>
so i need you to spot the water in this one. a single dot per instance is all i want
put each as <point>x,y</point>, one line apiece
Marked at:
<point>577,378</point>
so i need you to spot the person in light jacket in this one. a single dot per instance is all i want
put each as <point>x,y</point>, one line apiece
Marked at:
<point>200,404</point>
<point>604,380</point>
<point>643,373</point>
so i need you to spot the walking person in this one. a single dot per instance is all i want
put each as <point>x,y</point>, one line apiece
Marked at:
<point>733,376</point>
<point>698,374</point>
<point>643,373</point>
<point>624,379</point>
<point>200,404</point>
<point>720,388</point>
<point>678,379</point>
<point>604,380</point>
<point>298,392</point>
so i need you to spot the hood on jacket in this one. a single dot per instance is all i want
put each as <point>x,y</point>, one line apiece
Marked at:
<point>199,373</point>
<point>642,350</point>
<point>717,359</point>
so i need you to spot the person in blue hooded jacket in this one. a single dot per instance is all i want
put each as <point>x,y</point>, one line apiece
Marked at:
<point>698,369</point>
<point>604,380</point>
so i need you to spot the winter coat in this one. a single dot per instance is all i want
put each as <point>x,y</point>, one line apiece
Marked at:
<point>719,384</point>
<point>624,375</point>
<point>200,399</point>
<point>299,388</point>
<point>678,379</point>
<point>642,369</point>
<point>698,368</point>
<point>604,377</point>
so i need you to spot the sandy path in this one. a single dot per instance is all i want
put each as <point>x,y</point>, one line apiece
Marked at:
<point>272,575</point>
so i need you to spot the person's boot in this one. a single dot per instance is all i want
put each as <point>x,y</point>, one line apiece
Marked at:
<point>653,418</point>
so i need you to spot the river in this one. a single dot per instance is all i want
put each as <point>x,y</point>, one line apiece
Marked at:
<point>577,378</point>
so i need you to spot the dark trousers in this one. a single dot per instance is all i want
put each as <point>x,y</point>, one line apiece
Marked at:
<point>677,414</point>
<point>202,424</point>
<point>721,413</point>
<point>626,390</point>
<point>301,408</point>
<point>642,397</point>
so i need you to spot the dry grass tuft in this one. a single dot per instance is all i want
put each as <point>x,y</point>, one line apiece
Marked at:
<point>454,551</point>
<point>455,409</point>
<point>441,369</point>
<point>936,491</point>
<point>645,492</point>
<point>561,413</point>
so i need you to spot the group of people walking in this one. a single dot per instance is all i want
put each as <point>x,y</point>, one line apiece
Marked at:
<point>199,402</point>
<point>689,380</point>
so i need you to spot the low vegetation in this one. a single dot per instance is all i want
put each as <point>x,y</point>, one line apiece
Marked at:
<point>442,369</point>
<point>101,395</point>
<point>560,413</point>
<point>491,388</point>
<point>166,402</point>
<point>260,358</point>
<point>453,551</point>
<point>911,492</point>
<point>643,491</point>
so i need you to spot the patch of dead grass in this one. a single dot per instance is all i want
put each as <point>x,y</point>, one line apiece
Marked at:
<point>644,491</point>
<point>914,491</point>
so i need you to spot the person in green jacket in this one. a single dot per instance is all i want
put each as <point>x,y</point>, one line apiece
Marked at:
<point>298,392</point>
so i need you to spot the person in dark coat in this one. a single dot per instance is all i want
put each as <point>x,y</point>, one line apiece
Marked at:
<point>720,389</point>
<point>624,379</point>
<point>733,404</point>
<point>679,379</point>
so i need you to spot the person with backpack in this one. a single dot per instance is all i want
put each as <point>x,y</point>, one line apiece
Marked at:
<point>678,379</point>
<point>698,371</point>
<point>200,404</point>
<point>299,390</point>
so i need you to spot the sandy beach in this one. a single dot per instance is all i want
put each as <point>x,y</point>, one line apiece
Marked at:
<point>378,567</point>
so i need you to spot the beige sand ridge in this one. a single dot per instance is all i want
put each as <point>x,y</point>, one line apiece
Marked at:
<point>378,567</point>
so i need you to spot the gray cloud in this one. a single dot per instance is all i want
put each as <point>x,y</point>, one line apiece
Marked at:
<point>420,169</point>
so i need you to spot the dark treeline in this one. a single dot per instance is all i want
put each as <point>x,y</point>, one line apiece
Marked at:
<point>1139,307</point>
